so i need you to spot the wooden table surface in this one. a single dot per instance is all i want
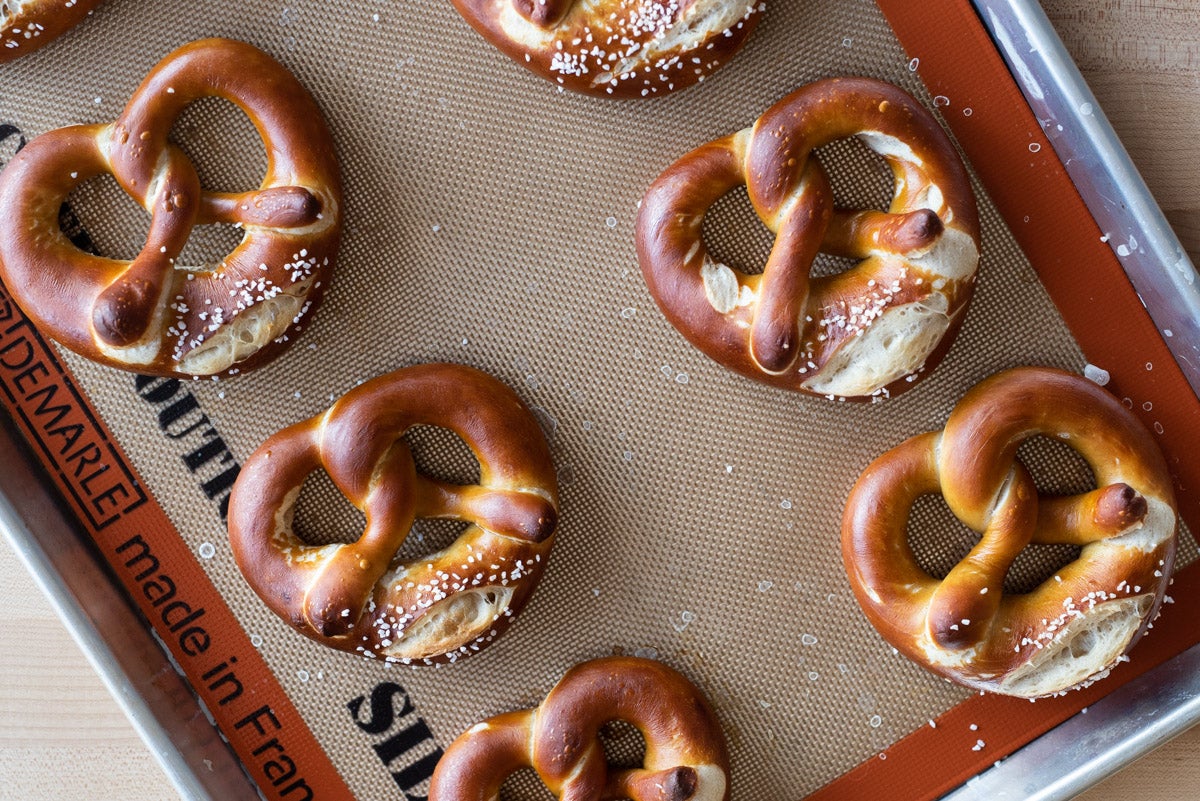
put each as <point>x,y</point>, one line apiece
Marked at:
<point>62,735</point>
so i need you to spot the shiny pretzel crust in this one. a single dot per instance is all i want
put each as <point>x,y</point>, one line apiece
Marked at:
<point>1073,628</point>
<point>616,48</point>
<point>869,332</point>
<point>686,758</point>
<point>359,597</point>
<point>153,314</point>
<point>28,25</point>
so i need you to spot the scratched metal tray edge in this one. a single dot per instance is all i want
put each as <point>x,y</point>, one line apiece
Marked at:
<point>113,636</point>
<point>1138,717</point>
<point>1125,725</point>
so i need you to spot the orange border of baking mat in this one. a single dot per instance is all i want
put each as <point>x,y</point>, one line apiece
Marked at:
<point>145,550</point>
<point>957,60</point>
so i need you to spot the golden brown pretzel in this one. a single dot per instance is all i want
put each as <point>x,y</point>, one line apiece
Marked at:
<point>358,597</point>
<point>1075,626</point>
<point>867,332</point>
<point>618,48</point>
<point>26,25</point>
<point>685,759</point>
<point>154,315</point>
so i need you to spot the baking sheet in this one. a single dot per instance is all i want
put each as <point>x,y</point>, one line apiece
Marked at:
<point>1154,708</point>
<point>612,415</point>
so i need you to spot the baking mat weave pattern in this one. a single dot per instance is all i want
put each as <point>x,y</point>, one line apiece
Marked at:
<point>489,220</point>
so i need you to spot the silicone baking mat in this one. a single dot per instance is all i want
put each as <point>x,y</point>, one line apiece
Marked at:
<point>490,222</point>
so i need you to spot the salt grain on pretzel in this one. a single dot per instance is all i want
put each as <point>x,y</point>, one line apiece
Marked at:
<point>359,597</point>
<point>866,332</point>
<point>617,48</point>
<point>153,314</point>
<point>26,25</point>
<point>1075,626</point>
<point>686,759</point>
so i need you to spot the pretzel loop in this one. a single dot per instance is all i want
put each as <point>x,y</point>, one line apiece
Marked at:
<point>359,596</point>
<point>685,751</point>
<point>171,88</point>
<point>154,314</point>
<point>866,332</point>
<point>783,291</point>
<point>1075,626</point>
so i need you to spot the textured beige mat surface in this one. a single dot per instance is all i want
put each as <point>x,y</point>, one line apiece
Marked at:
<point>489,220</point>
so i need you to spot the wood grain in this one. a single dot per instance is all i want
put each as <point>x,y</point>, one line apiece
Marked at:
<point>1142,61</point>
<point>62,735</point>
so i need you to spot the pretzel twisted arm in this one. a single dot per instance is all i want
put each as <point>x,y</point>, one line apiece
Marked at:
<point>783,294</point>
<point>862,234</point>
<point>126,308</point>
<point>282,207</point>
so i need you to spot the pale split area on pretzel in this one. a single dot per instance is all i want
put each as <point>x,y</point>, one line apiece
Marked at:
<point>620,48</point>
<point>466,617</point>
<point>461,619</point>
<point>685,757</point>
<point>1073,628</point>
<point>1092,636</point>
<point>10,10</point>
<point>866,333</point>
<point>608,54</point>
<point>361,596</point>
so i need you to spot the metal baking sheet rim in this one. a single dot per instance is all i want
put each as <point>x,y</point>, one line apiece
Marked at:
<point>95,609</point>
<point>1142,715</point>
<point>1126,724</point>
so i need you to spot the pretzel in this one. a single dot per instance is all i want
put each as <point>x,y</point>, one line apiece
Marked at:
<point>867,332</point>
<point>152,314</point>
<point>1074,627</point>
<point>685,749</point>
<point>359,597</point>
<point>26,25</point>
<point>617,48</point>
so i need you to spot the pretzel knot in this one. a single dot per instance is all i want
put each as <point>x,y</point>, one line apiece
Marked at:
<point>685,758</point>
<point>359,596</point>
<point>618,48</point>
<point>1074,627</point>
<point>154,314</point>
<point>26,25</point>
<point>868,331</point>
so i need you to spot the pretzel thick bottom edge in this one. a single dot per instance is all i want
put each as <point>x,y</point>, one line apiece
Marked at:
<point>29,25</point>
